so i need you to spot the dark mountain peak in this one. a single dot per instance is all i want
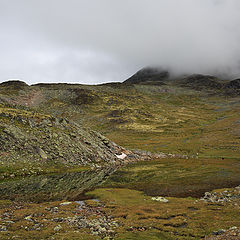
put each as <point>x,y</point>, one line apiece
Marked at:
<point>148,74</point>
<point>13,84</point>
<point>150,71</point>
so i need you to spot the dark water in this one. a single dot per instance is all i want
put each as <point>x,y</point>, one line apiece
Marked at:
<point>70,186</point>
<point>73,186</point>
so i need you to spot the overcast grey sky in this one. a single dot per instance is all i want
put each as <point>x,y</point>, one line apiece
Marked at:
<point>95,41</point>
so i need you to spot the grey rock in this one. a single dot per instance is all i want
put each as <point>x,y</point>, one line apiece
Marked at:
<point>57,228</point>
<point>42,154</point>
<point>3,228</point>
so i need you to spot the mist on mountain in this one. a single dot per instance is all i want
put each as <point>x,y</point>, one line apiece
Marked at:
<point>102,41</point>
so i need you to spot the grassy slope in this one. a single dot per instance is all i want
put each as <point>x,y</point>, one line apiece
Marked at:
<point>176,121</point>
<point>153,118</point>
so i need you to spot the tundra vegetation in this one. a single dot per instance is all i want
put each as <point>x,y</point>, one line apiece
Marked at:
<point>63,177</point>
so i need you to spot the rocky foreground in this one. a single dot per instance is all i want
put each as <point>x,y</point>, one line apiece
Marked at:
<point>103,218</point>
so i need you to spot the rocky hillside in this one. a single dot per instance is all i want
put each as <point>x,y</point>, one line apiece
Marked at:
<point>193,115</point>
<point>28,137</point>
<point>201,82</point>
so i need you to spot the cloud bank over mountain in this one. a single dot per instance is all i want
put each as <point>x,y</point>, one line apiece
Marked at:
<point>94,41</point>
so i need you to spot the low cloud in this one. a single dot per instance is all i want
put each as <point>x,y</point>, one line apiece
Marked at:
<point>94,41</point>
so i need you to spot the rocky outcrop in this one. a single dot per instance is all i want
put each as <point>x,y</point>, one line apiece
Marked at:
<point>233,87</point>
<point>234,84</point>
<point>201,82</point>
<point>233,233</point>
<point>227,195</point>
<point>83,96</point>
<point>27,136</point>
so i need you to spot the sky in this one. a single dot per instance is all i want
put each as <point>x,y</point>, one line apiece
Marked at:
<point>97,41</point>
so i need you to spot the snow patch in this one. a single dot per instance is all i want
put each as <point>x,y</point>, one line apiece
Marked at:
<point>122,156</point>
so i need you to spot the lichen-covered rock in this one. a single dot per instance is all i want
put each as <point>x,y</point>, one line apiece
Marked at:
<point>42,154</point>
<point>3,228</point>
<point>226,195</point>
<point>29,136</point>
<point>160,199</point>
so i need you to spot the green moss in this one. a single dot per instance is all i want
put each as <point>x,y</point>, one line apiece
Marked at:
<point>150,235</point>
<point>5,203</point>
